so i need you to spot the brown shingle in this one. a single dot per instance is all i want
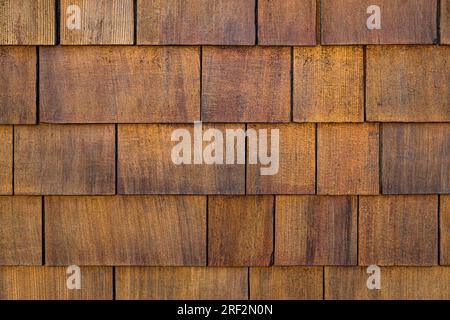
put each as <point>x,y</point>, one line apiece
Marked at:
<point>445,22</point>
<point>398,230</point>
<point>240,230</point>
<point>18,85</point>
<point>181,283</point>
<point>64,159</point>
<point>246,84</point>
<point>445,230</point>
<point>120,84</point>
<point>402,22</point>
<point>152,230</point>
<point>6,159</point>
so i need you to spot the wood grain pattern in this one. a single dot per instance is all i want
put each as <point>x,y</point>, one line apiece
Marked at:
<point>181,283</point>
<point>402,22</point>
<point>20,230</point>
<point>17,85</point>
<point>64,159</point>
<point>155,230</point>
<point>102,22</point>
<point>49,283</point>
<point>398,230</point>
<point>287,22</point>
<point>218,22</point>
<point>445,230</point>
<point>240,230</point>
<point>415,158</point>
<point>328,84</point>
<point>296,161</point>
<point>347,159</point>
<point>120,84</point>
<point>286,283</point>
<point>397,283</point>
<point>246,84</point>
<point>315,230</point>
<point>146,167</point>
<point>416,90</point>
<point>6,159</point>
<point>445,22</point>
<point>27,22</point>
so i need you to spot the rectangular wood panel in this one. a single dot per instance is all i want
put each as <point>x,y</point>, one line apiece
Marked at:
<point>64,159</point>
<point>20,230</point>
<point>295,156</point>
<point>445,22</point>
<point>120,84</point>
<point>27,22</point>
<point>416,90</point>
<point>398,230</point>
<point>286,283</point>
<point>17,85</point>
<point>218,22</point>
<point>246,84</point>
<point>328,84</point>
<point>50,283</point>
<point>445,230</point>
<point>316,230</point>
<point>415,158</point>
<point>397,283</point>
<point>101,22</point>
<point>401,22</point>
<point>240,230</point>
<point>6,159</point>
<point>181,283</point>
<point>287,22</point>
<point>347,159</point>
<point>146,165</point>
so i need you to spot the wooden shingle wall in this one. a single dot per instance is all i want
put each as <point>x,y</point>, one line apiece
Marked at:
<point>94,94</point>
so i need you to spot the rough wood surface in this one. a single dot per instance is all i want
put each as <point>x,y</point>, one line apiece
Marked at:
<point>120,84</point>
<point>316,230</point>
<point>347,159</point>
<point>398,230</point>
<point>445,22</point>
<point>6,159</point>
<point>402,22</point>
<point>64,159</point>
<point>153,230</point>
<point>246,84</point>
<point>415,158</point>
<point>102,22</point>
<point>416,90</point>
<point>141,283</point>
<point>240,230</point>
<point>17,85</point>
<point>286,283</point>
<point>445,230</point>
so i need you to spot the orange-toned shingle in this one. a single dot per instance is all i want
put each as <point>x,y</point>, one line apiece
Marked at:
<point>151,230</point>
<point>398,230</point>
<point>246,84</point>
<point>445,230</point>
<point>6,159</point>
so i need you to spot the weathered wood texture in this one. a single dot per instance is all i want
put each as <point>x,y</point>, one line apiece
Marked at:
<point>153,230</point>
<point>296,157</point>
<point>328,84</point>
<point>287,22</point>
<point>445,22</point>
<point>17,85</point>
<point>417,89</point>
<point>347,159</point>
<point>64,159</point>
<point>146,166</point>
<point>246,84</point>
<point>102,22</point>
<point>402,22</point>
<point>316,230</point>
<point>49,283</point>
<point>218,22</point>
<point>397,283</point>
<point>178,283</point>
<point>27,22</point>
<point>445,230</point>
<point>120,84</point>
<point>240,230</point>
<point>398,230</point>
<point>415,158</point>
<point>20,230</point>
<point>6,159</point>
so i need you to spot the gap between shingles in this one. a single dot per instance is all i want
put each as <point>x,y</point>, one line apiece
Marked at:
<point>316,147</point>
<point>116,158</point>
<point>357,230</point>
<point>207,230</point>
<point>380,157</point>
<point>248,283</point>
<point>438,19</point>
<point>323,282</point>
<point>256,23</point>
<point>272,259</point>
<point>43,228</point>
<point>13,161</point>
<point>38,93</point>
<point>292,85</point>
<point>439,228</point>
<point>201,82</point>
<point>364,76</point>
<point>57,22</point>
<point>114,283</point>
<point>134,22</point>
